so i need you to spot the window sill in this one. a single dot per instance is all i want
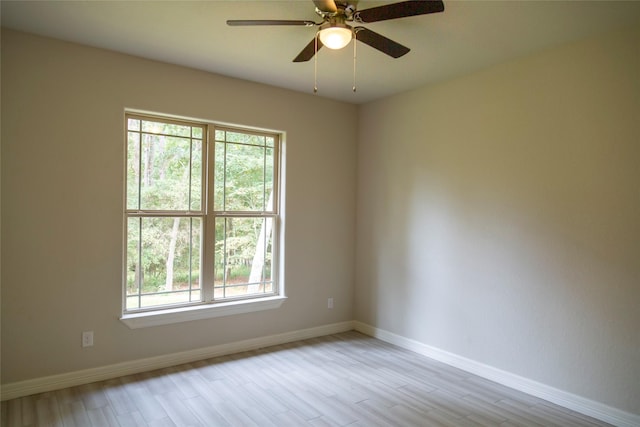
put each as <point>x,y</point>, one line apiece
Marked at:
<point>199,312</point>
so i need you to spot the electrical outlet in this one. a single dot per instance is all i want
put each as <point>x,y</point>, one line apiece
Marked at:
<point>330,303</point>
<point>87,339</point>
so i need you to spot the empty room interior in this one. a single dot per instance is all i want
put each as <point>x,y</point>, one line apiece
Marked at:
<point>437,224</point>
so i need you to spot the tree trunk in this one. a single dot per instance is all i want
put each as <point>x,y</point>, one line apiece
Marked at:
<point>148,167</point>
<point>138,277</point>
<point>168,284</point>
<point>257,266</point>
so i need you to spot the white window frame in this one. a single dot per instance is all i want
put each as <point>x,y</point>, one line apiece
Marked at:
<point>208,307</point>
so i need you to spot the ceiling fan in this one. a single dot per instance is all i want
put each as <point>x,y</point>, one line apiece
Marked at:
<point>336,33</point>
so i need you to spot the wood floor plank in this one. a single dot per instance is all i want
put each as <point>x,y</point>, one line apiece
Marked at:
<point>162,422</point>
<point>263,398</point>
<point>178,412</point>
<point>47,411</point>
<point>333,410</point>
<point>377,413</point>
<point>102,417</point>
<point>12,413</point>
<point>154,382</point>
<point>133,419</point>
<point>482,410</point>
<point>78,412</point>
<point>234,415</point>
<point>92,395</point>
<point>408,416</point>
<point>345,379</point>
<point>289,419</point>
<point>146,404</point>
<point>205,412</point>
<point>259,417</point>
<point>28,411</point>
<point>116,393</point>
<point>323,422</point>
<point>296,403</point>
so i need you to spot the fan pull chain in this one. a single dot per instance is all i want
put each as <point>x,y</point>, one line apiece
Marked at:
<point>315,66</point>
<point>355,39</point>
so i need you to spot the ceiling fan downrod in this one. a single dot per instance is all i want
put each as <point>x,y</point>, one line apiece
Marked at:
<point>315,66</point>
<point>355,39</point>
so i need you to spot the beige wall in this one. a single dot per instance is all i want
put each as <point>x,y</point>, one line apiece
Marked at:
<point>62,201</point>
<point>497,213</point>
<point>499,217</point>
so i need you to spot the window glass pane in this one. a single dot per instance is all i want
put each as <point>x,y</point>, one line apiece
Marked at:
<point>245,138</point>
<point>268,179</point>
<point>219,260</point>
<point>165,173</point>
<point>220,135</point>
<point>268,251</point>
<point>196,175</point>
<point>133,261</point>
<point>218,180</point>
<point>196,255</point>
<point>196,132</point>
<point>219,257</point>
<point>170,259</point>
<point>165,128</point>
<point>133,124</point>
<point>164,298</point>
<point>270,141</point>
<point>133,169</point>
<point>244,178</point>
<point>132,302</point>
<point>155,250</point>
<point>243,256</point>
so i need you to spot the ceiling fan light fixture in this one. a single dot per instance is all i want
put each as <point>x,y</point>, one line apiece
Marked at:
<point>336,35</point>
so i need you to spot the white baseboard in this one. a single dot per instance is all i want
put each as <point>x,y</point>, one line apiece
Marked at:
<point>85,376</point>
<point>571,401</point>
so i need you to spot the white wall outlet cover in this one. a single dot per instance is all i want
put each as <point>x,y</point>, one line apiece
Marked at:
<point>87,339</point>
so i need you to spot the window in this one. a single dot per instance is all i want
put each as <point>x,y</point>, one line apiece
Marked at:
<point>202,214</point>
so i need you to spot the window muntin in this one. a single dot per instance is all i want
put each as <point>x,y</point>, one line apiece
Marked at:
<point>167,215</point>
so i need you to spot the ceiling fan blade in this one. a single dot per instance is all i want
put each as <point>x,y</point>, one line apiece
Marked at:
<point>309,51</point>
<point>383,44</point>
<point>326,5</point>
<point>252,22</point>
<point>399,10</point>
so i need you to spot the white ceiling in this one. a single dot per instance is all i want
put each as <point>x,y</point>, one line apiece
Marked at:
<point>467,36</point>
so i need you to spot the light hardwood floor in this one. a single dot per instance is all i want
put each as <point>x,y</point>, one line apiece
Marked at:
<point>346,379</point>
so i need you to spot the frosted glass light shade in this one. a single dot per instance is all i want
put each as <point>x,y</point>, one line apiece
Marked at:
<point>335,37</point>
